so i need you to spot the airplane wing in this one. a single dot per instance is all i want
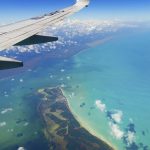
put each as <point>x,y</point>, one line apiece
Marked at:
<point>25,32</point>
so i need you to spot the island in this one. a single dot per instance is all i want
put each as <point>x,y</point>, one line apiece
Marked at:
<point>60,127</point>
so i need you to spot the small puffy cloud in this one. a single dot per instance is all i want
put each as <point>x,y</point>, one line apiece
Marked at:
<point>62,70</point>
<point>21,148</point>
<point>26,124</point>
<point>62,85</point>
<point>68,77</point>
<point>130,137</point>
<point>117,116</point>
<point>6,110</point>
<point>116,131</point>
<point>10,130</point>
<point>21,80</point>
<point>12,79</point>
<point>2,124</point>
<point>100,105</point>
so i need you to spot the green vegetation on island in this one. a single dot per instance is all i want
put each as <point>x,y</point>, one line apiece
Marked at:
<point>61,129</point>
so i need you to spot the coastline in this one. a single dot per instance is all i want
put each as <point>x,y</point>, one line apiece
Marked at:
<point>61,128</point>
<point>84,125</point>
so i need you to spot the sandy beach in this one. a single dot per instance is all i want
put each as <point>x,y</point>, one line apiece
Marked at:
<point>86,126</point>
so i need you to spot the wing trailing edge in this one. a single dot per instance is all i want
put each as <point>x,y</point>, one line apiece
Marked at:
<point>8,63</point>
<point>37,39</point>
<point>25,32</point>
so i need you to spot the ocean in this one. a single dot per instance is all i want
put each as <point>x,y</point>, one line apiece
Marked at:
<point>113,81</point>
<point>107,87</point>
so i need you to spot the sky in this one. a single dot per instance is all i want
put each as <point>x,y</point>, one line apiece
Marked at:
<point>129,10</point>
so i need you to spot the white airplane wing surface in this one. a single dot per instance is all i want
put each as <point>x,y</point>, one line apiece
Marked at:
<point>25,32</point>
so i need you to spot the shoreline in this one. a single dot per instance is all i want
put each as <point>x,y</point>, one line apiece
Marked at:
<point>84,125</point>
<point>61,127</point>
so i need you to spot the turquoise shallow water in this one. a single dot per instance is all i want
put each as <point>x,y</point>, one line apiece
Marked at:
<point>108,89</point>
<point>117,74</point>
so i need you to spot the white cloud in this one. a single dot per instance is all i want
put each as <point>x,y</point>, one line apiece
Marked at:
<point>26,123</point>
<point>12,79</point>
<point>70,30</point>
<point>117,116</point>
<point>21,148</point>
<point>2,124</point>
<point>21,80</point>
<point>100,105</point>
<point>62,70</point>
<point>68,77</point>
<point>10,130</point>
<point>116,131</point>
<point>6,110</point>
<point>130,137</point>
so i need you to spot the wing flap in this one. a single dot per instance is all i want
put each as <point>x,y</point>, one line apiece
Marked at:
<point>37,39</point>
<point>8,63</point>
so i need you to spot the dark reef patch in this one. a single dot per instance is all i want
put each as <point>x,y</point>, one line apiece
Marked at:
<point>82,105</point>
<point>131,128</point>
<point>143,133</point>
<point>19,135</point>
<point>133,146</point>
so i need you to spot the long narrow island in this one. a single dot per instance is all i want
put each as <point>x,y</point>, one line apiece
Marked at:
<point>61,129</point>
